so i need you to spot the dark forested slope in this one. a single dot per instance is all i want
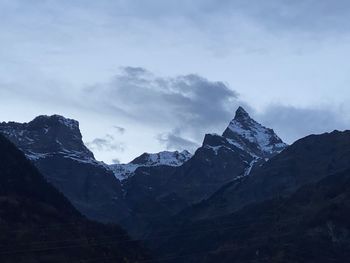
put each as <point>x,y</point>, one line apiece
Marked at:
<point>38,224</point>
<point>312,225</point>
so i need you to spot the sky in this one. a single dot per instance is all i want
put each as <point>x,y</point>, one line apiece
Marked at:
<point>152,75</point>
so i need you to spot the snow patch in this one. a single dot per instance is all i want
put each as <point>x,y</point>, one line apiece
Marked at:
<point>166,158</point>
<point>124,171</point>
<point>217,148</point>
<point>245,131</point>
<point>250,167</point>
<point>36,156</point>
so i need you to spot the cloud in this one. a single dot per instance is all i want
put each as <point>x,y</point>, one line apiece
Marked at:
<point>189,104</point>
<point>173,141</point>
<point>267,49</point>
<point>182,109</point>
<point>293,123</point>
<point>106,143</point>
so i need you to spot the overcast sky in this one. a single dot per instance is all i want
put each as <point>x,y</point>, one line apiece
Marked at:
<point>151,75</point>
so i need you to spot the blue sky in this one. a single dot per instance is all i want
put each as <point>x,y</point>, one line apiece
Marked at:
<point>167,72</point>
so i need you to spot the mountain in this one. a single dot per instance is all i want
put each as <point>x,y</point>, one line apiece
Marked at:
<point>47,136</point>
<point>38,224</point>
<point>250,136</point>
<point>222,159</point>
<point>54,144</point>
<point>306,161</point>
<point>311,225</point>
<point>165,158</point>
<point>162,158</point>
<point>293,208</point>
<point>244,196</point>
<point>155,193</point>
<point>153,187</point>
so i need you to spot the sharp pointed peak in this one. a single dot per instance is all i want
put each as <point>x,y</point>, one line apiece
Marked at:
<point>241,113</point>
<point>250,134</point>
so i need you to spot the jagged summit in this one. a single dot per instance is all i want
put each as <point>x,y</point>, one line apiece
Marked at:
<point>242,119</point>
<point>167,158</point>
<point>244,133</point>
<point>53,120</point>
<point>252,136</point>
<point>162,158</point>
<point>241,113</point>
<point>47,135</point>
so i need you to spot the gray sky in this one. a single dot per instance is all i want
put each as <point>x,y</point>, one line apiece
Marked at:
<point>150,75</point>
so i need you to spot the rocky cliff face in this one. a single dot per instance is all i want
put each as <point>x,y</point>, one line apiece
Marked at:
<point>48,135</point>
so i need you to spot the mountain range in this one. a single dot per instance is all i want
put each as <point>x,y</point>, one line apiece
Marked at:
<point>166,158</point>
<point>150,187</point>
<point>243,196</point>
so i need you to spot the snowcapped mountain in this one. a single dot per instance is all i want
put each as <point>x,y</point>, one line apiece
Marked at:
<point>251,141</point>
<point>300,198</point>
<point>54,145</point>
<point>152,185</point>
<point>249,135</point>
<point>165,158</point>
<point>46,136</point>
<point>221,159</point>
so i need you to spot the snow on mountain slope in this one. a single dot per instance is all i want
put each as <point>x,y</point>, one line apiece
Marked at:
<point>245,133</point>
<point>46,136</point>
<point>124,171</point>
<point>246,138</point>
<point>54,144</point>
<point>163,158</point>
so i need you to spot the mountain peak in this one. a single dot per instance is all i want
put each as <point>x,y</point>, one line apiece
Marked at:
<point>241,113</point>
<point>45,136</point>
<point>260,141</point>
<point>165,158</point>
<point>54,120</point>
